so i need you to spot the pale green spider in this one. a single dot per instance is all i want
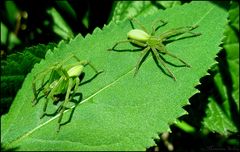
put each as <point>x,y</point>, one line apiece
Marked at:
<point>150,42</point>
<point>63,79</point>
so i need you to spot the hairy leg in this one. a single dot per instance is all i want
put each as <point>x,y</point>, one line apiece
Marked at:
<point>70,86</point>
<point>128,41</point>
<point>154,27</point>
<point>178,31</point>
<point>156,54</point>
<point>139,24</point>
<point>163,50</point>
<point>143,54</point>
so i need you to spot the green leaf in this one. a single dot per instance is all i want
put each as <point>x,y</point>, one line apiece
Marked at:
<point>119,111</point>
<point>60,27</point>
<point>168,4</point>
<point>66,7</point>
<point>12,12</point>
<point>217,120</point>
<point>125,9</point>
<point>16,67</point>
<point>231,45</point>
<point>8,37</point>
<point>234,14</point>
<point>224,110</point>
<point>21,63</point>
<point>4,34</point>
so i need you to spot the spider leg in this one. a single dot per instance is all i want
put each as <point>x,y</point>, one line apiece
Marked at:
<point>69,58</point>
<point>96,71</point>
<point>91,65</point>
<point>61,71</point>
<point>76,58</point>
<point>77,82</point>
<point>35,79</point>
<point>156,54</point>
<point>60,118</point>
<point>44,108</point>
<point>128,41</point>
<point>85,63</point>
<point>140,24</point>
<point>70,85</point>
<point>143,54</point>
<point>154,28</point>
<point>50,95</point>
<point>178,31</point>
<point>59,66</point>
<point>119,42</point>
<point>34,101</point>
<point>174,56</point>
<point>163,50</point>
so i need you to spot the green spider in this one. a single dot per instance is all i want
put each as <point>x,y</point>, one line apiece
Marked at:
<point>153,43</point>
<point>63,79</point>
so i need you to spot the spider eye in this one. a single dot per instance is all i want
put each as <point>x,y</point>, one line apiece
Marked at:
<point>138,35</point>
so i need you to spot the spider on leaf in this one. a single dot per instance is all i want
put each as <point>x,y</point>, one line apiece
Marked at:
<point>149,42</point>
<point>63,79</point>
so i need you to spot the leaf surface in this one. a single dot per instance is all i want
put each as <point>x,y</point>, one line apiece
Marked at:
<point>217,120</point>
<point>125,9</point>
<point>119,111</point>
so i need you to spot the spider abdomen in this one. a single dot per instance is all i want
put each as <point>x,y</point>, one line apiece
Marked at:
<point>138,35</point>
<point>75,71</point>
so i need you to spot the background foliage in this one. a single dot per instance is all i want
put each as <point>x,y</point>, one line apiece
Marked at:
<point>25,25</point>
